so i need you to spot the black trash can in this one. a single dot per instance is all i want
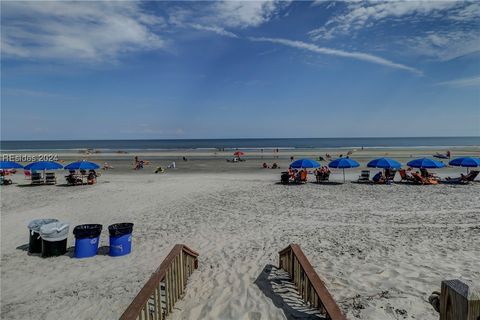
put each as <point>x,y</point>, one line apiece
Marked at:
<point>86,240</point>
<point>54,239</point>
<point>35,241</point>
<point>120,239</point>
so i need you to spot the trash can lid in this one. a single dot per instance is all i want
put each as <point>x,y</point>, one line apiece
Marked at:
<point>54,231</point>
<point>35,225</point>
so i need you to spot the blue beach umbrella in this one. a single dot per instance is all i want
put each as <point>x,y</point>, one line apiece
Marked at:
<point>425,163</point>
<point>304,163</point>
<point>82,165</point>
<point>343,163</point>
<point>465,162</point>
<point>384,163</point>
<point>5,165</point>
<point>43,165</point>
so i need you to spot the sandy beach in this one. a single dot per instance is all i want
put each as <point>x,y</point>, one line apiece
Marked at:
<point>381,249</point>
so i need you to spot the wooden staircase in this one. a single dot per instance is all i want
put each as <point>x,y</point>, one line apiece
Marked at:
<point>166,285</point>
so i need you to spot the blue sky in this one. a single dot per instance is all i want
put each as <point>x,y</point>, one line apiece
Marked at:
<point>226,69</point>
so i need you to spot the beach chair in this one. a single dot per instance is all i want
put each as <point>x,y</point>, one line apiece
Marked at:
<point>5,181</point>
<point>459,180</point>
<point>36,178</point>
<point>472,175</point>
<point>73,180</point>
<point>285,178</point>
<point>364,176</point>
<point>50,178</point>
<point>322,177</point>
<point>391,175</point>
<point>463,179</point>
<point>28,174</point>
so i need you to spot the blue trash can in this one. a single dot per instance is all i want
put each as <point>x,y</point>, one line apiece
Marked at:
<point>87,237</point>
<point>120,239</point>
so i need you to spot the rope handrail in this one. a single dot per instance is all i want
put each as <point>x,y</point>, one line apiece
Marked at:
<point>157,297</point>
<point>310,286</point>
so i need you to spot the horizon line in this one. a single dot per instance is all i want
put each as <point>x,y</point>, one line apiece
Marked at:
<point>153,139</point>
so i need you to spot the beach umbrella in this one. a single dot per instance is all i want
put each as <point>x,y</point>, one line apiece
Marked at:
<point>82,165</point>
<point>343,163</point>
<point>384,163</point>
<point>238,153</point>
<point>465,162</point>
<point>6,165</point>
<point>43,165</point>
<point>425,163</point>
<point>304,163</point>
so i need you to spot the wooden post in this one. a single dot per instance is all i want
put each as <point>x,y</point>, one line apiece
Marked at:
<point>459,301</point>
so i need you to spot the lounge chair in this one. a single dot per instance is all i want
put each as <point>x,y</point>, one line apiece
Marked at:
<point>459,180</point>
<point>5,181</point>
<point>463,179</point>
<point>364,176</point>
<point>472,175</point>
<point>28,174</point>
<point>50,178</point>
<point>391,175</point>
<point>73,180</point>
<point>37,178</point>
<point>323,177</point>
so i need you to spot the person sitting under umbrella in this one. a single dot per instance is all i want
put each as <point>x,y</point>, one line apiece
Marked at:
<point>92,177</point>
<point>378,178</point>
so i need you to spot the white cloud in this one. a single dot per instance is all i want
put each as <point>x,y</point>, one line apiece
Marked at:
<point>366,13</point>
<point>215,29</point>
<point>340,53</point>
<point>90,30</point>
<point>451,26</point>
<point>443,45</point>
<point>226,14</point>
<point>243,14</point>
<point>463,82</point>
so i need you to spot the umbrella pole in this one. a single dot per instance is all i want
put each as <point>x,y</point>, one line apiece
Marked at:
<point>343,175</point>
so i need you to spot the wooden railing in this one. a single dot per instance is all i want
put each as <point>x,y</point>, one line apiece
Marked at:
<point>166,285</point>
<point>308,283</point>
<point>458,300</point>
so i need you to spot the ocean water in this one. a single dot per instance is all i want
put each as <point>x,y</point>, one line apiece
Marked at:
<point>294,143</point>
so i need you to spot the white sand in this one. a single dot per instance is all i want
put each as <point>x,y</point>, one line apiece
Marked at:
<point>380,249</point>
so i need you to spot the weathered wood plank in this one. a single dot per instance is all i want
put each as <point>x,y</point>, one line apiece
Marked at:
<point>308,283</point>
<point>459,301</point>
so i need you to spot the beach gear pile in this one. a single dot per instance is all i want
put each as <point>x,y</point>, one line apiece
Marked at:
<point>48,237</point>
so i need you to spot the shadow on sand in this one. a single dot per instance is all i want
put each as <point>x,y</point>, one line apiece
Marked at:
<point>328,183</point>
<point>276,285</point>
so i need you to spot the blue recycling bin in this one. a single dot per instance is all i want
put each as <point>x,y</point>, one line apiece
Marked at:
<point>120,239</point>
<point>87,237</point>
